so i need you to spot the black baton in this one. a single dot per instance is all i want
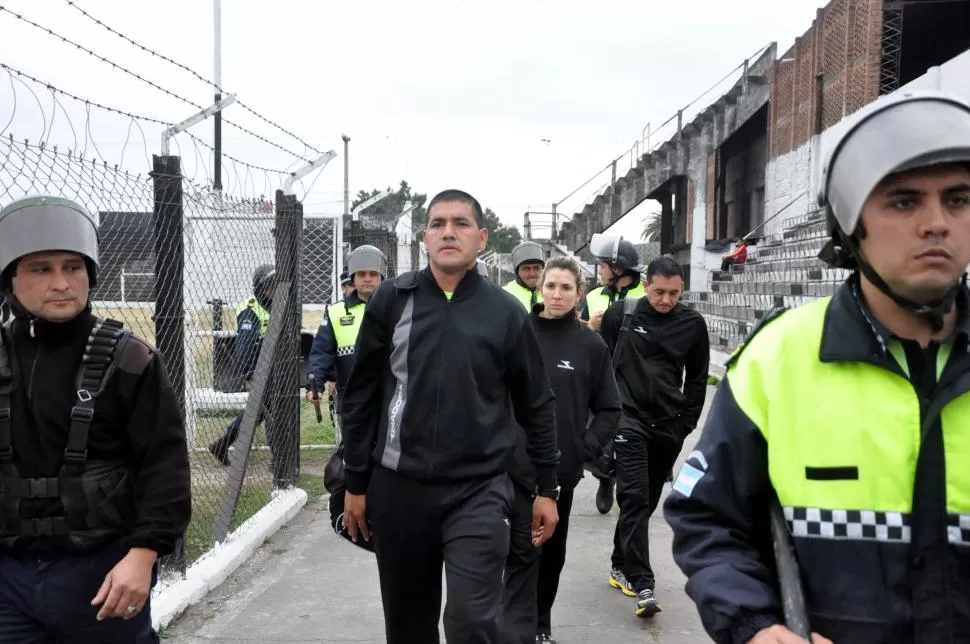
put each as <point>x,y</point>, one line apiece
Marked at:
<point>316,397</point>
<point>790,581</point>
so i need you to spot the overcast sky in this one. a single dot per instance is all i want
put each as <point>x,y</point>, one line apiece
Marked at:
<point>442,93</point>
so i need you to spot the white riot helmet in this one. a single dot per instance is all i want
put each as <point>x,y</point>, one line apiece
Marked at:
<point>527,251</point>
<point>894,133</point>
<point>366,258</point>
<point>46,223</point>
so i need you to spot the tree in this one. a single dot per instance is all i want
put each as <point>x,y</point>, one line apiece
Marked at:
<point>501,238</point>
<point>651,227</point>
<point>388,208</point>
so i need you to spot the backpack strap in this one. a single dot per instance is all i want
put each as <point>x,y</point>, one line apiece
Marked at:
<point>7,385</point>
<point>629,306</point>
<point>404,287</point>
<point>105,345</point>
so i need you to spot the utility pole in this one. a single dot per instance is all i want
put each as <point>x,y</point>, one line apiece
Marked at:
<point>346,140</point>
<point>217,74</point>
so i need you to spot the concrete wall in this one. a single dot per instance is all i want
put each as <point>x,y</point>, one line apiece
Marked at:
<point>789,187</point>
<point>684,154</point>
<point>795,176</point>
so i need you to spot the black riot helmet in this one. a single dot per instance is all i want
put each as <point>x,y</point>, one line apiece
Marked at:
<point>264,285</point>
<point>618,253</point>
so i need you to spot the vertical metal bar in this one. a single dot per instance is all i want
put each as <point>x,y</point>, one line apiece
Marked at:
<point>217,81</point>
<point>169,286</point>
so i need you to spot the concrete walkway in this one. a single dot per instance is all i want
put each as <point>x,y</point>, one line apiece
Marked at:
<point>307,585</point>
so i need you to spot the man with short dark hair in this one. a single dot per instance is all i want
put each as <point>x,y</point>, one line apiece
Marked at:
<point>93,454</point>
<point>443,358</point>
<point>662,376</point>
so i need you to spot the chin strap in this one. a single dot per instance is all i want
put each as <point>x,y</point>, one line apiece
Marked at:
<point>843,252</point>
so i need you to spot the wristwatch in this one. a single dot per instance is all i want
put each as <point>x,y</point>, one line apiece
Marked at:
<point>549,494</point>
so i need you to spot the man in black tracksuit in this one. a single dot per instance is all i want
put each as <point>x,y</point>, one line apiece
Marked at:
<point>443,358</point>
<point>662,377</point>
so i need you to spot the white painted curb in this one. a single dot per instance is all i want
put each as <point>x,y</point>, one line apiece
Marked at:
<point>215,566</point>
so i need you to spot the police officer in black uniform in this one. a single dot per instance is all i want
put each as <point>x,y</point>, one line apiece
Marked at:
<point>93,457</point>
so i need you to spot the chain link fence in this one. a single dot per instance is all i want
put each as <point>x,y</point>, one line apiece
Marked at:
<point>177,261</point>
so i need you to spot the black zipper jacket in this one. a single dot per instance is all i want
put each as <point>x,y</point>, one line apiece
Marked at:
<point>665,352</point>
<point>579,367</point>
<point>137,420</point>
<point>436,381</point>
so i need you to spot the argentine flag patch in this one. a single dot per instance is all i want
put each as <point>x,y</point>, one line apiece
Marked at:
<point>689,474</point>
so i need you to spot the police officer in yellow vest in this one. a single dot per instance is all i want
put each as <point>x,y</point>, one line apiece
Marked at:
<point>619,269</point>
<point>332,355</point>
<point>619,273</point>
<point>528,259</point>
<point>252,320</point>
<point>854,410</point>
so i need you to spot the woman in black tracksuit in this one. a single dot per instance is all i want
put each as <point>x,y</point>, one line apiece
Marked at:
<point>587,414</point>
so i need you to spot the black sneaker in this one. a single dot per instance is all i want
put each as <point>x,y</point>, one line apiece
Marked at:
<point>604,496</point>
<point>544,638</point>
<point>646,604</point>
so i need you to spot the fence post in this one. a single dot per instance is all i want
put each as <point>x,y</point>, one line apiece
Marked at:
<point>169,285</point>
<point>284,436</point>
<point>169,266</point>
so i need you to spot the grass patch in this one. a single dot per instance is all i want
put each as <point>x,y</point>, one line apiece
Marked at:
<point>209,476</point>
<point>713,380</point>
<point>198,536</point>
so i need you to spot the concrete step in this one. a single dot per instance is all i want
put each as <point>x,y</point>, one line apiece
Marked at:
<point>748,301</point>
<point>794,249</point>
<point>807,230</point>
<point>725,334</point>
<point>734,312</point>
<point>811,289</point>
<point>825,274</point>
<point>778,265</point>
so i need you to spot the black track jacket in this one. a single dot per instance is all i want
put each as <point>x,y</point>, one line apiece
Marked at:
<point>579,367</point>
<point>665,351</point>
<point>429,395</point>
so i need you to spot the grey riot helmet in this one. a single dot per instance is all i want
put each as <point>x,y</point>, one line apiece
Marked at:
<point>895,133</point>
<point>43,224</point>
<point>618,253</point>
<point>367,258</point>
<point>527,251</point>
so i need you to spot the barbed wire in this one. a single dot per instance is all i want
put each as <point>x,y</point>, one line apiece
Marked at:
<point>238,169</point>
<point>141,78</point>
<point>167,59</point>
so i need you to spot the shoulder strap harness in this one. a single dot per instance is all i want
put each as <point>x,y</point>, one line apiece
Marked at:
<point>629,306</point>
<point>105,344</point>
